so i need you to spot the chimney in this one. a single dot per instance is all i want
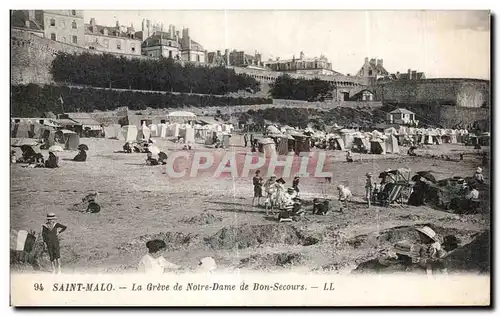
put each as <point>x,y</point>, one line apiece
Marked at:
<point>177,36</point>
<point>372,61</point>
<point>381,62</point>
<point>117,24</point>
<point>414,74</point>
<point>218,52</point>
<point>409,74</point>
<point>366,60</point>
<point>31,15</point>
<point>92,21</point>
<point>227,56</point>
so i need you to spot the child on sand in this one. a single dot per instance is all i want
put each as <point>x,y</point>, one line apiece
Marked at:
<point>50,234</point>
<point>153,262</point>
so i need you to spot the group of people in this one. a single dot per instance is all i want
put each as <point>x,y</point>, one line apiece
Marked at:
<point>276,197</point>
<point>36,160</point>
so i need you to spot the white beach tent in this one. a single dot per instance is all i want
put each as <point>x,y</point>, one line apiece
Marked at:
<point>154,130</point>
<point>391,145</point>
<point>129,133</point>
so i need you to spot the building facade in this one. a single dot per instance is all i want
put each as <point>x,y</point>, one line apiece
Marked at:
<point>28,20</point>
<point>303,65</point>
<point>402,116</point>
<point>118,39</point>
<point>373,68</point>
<point>172,45</point>
<point>65,26</point>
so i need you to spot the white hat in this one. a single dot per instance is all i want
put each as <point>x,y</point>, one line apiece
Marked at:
<point>479,170</point>
<point>426,230</point>
<point>340,187</point>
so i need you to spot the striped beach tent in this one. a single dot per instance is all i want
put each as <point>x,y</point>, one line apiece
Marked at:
<point>22,240</point>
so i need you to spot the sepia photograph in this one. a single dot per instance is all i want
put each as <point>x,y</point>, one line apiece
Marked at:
<point>186,151</point>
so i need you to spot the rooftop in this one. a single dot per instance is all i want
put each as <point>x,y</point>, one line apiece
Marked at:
<point>401,111</point>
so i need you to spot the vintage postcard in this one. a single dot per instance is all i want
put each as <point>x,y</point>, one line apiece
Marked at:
<point>250,158</point>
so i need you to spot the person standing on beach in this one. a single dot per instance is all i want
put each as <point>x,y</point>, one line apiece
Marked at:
<point>50,234</point>
<point>245,139</point>
<point>257,187</point>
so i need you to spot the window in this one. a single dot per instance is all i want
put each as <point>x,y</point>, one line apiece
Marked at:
<point>91,47</point>
<point>163,121</point>
<point>118,45</point>
<point>106,43</point>
<point>73,12</point>
<point>53,36</point>
<point>169,54</point>
<point>370,72</point>
<point>169,43</point>
<point>132,47</point>
<point>52,22</point>
<point>198,58</point>
<point>75,39</point>
<point>73,25</point>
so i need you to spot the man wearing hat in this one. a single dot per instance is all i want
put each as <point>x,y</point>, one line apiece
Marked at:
<point>478,175</point>
<point>369,188</point>
<point>50,235</point>
<point>431,251</point>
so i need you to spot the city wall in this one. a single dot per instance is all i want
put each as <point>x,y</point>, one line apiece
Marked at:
<point>471,93</point>
<point>31,57</point>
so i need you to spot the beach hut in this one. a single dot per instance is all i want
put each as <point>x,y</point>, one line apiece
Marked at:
<point>70,139</point>
<point>113,131</point>
<point>391,144</point>
<point>143,133</point>
<point>187,133</point>
<point>154,130</point>
<point>267,146</point>
<point>129,133</point>
<point>302,143</point>
<point>21,129</point>
<point>347,138</point>
<point>281,144</point>
<point>377,146</point>
<point>162,130</point>
<point>225,137</point>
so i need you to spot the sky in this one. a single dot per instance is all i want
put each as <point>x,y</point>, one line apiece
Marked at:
<point>443,44</point>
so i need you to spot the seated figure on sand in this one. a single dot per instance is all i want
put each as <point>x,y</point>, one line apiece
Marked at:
<point>154,262</point>
<point>53,161</point>
<point>81,156</point>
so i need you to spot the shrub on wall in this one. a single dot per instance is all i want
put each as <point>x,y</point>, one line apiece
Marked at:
<point>286,87</point>
<point>162,74</point>
<point>33,100</point>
